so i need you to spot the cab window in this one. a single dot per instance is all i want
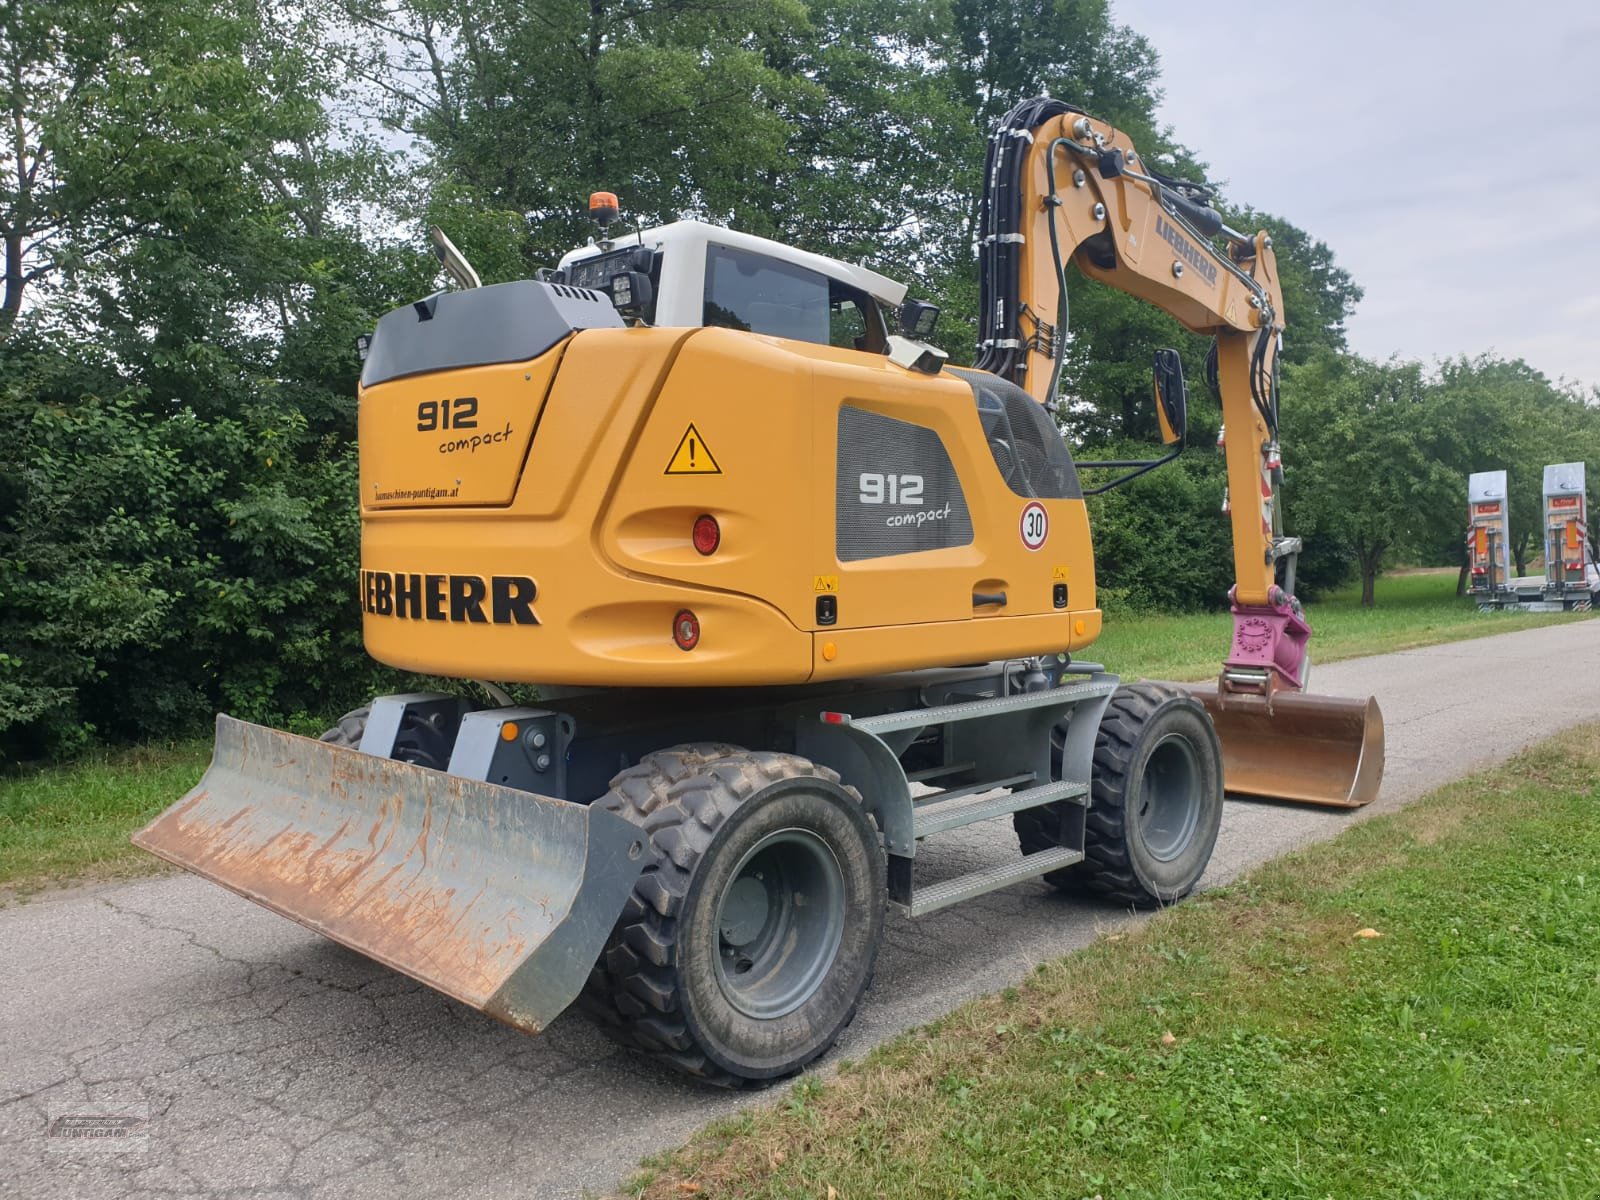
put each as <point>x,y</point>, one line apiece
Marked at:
<point>765,295</point>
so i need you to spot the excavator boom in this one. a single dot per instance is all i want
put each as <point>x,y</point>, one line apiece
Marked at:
<point>1063,186</point>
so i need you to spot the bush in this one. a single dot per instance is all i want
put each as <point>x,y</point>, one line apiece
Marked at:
<point>1161,542</point>
<point>157,567</point>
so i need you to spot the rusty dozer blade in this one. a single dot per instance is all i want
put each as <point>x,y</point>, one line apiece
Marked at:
<point>497,897</point>
<point>1306,748</point>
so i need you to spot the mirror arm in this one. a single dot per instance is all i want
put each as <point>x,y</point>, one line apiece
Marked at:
<point>1143,466</point>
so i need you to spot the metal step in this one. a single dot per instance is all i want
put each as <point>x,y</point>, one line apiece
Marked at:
<point>970,710</point>
<point>928,773</point>
<point>974,789</point>
<point>971,805</point>
<point>965,887</point>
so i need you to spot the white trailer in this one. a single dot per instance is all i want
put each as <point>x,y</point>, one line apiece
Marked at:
<point>1489,540</point>
<point>1571,580</point>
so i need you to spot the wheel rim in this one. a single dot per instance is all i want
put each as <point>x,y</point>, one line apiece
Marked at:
<point>1169,798</point>
<point>779,923</point>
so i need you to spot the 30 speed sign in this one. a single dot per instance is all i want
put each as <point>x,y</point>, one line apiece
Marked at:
<point>1035,525</point>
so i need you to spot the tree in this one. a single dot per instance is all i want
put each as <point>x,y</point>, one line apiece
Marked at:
<point>1359,473</point>
<point>1318,294</point>
<point>177,476</point>
<point>527,108</point>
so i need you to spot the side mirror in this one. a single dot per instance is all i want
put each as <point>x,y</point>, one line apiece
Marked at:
<point>1172,397</point>
<point>917,319</point>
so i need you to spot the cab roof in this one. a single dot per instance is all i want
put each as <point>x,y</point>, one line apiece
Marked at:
<point>694,236</point>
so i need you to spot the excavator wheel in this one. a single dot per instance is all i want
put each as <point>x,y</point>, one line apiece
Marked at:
<point>753,930</point>
<point>349,730</point>
<point>1156,801</point>
<point>419,742</point>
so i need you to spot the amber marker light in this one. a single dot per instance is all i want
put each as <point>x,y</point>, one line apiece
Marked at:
<point>686,629</point>
<point>707,535</point>
<point>508,732</point>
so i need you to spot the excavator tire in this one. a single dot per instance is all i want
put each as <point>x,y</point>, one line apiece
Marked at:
<point>349,730</point>
<point>1156,801</point>
<point>418,743</point>
<point>713,968</point>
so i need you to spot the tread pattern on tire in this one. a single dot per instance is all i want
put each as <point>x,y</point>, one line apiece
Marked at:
<point>410,747</point>
<point>1106,870</point>
<point>349,730</point>
<point>678,797</point>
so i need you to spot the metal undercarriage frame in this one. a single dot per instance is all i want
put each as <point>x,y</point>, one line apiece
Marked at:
<point>929,751</point>
<point>1533,593</point>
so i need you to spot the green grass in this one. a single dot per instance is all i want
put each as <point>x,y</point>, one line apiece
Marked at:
<point>67,822</point>
<point>1415,609</point>
<point>1249,1044</point>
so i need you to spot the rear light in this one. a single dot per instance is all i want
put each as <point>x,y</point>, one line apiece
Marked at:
<point>1479,571</point>
<point>707,534</point>
<point>686,629</point>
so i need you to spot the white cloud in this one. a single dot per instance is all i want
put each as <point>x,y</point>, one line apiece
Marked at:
<point>1449,153</point>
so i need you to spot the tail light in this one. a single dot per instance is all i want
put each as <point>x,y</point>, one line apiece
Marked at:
<point>707,535</point>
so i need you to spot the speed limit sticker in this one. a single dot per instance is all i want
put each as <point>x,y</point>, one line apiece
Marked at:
<point>1035,526</point>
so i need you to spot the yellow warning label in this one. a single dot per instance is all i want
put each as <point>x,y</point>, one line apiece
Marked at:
<point>693,456</point>
<point>1058,574</point>
<point>825,583</point>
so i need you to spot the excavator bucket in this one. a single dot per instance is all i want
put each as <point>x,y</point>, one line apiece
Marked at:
<point>497,897</point>
<point>1305,748</point>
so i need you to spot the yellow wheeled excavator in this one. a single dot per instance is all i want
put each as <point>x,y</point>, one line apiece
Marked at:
<point>798,597</point>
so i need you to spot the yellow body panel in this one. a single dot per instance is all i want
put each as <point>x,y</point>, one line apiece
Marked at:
<point>415,448</point>
<point>597,524</point>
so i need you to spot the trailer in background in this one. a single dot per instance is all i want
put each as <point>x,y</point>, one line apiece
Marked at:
<point>1489,540</point>
<point>1571,580</point>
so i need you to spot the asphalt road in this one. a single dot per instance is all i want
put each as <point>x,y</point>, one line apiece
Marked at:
<point>275,1063</point>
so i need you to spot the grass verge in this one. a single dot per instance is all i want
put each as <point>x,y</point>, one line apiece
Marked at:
<point>73,821</point>
<point>1415,609</point>
<point>1251,1043</point>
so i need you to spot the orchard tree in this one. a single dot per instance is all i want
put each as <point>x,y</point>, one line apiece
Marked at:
<point>1358,472</point>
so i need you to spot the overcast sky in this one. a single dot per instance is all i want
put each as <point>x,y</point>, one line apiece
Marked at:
<point>1448,152</point>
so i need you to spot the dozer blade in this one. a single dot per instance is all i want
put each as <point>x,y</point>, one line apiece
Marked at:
<point>1305,748</point>
<point>497,897</point>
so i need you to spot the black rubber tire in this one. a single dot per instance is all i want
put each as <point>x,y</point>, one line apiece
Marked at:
<point>1118,863</point>
<point>655,985</point>
<point>349,730</point>
<point>420,744</point>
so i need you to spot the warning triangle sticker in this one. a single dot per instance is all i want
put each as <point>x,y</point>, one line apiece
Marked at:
<point>693,456</point>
